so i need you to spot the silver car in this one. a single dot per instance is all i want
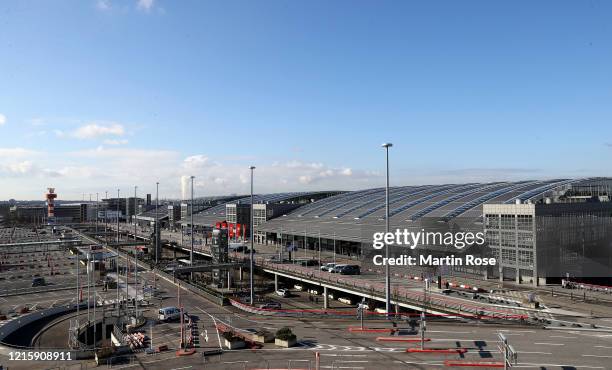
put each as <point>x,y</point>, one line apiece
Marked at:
<point>328,266</point>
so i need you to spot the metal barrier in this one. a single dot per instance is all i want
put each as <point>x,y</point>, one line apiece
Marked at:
<point>460,309</point>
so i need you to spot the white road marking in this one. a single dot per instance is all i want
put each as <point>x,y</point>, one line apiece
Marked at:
<point>603,347</point>
<point>597,356</point>
<point>215,324</point>
<point>550,344</point>
<point>535,353</point>
<point>561,336</point>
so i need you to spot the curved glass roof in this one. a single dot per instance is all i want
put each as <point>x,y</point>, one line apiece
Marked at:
<point>217,213</point>
<point>351,213</point>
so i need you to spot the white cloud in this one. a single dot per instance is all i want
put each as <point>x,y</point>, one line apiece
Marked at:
<point>20,168</point>
<point>103,5</point>
<point>2,119</point>
<point>110,167</point>
<point>94,130</point>
<point>9,153</point>
<point>195,161</point>
<point>145,5</point>
<point>115,141</point>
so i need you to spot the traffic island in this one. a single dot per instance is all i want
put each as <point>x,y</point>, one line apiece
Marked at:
<point>185,352</point>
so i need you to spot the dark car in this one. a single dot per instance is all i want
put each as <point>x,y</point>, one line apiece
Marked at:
<point>307,263</point>
<point>38,281</point>
<point>350,270</point>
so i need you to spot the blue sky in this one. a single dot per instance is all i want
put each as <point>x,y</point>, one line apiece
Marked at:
<point>96,95</point>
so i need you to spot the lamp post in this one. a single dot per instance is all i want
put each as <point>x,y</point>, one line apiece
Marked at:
<point>135,256</point>
<point>97,210</point>
<point>106,217</point>
<point>118,210</point>
<point>135,207</point>
<point>191,251</point>
<point>387,272</point>
<point>156,230</point>
<point>251,251</point>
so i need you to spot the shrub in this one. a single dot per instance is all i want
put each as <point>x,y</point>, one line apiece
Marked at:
<point>285,334</point>
<point>231,337</point>
<point>104,352</point>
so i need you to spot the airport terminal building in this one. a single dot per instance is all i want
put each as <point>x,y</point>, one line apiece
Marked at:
<point>539,231</point>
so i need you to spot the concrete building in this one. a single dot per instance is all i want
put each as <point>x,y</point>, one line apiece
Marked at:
<point>174,214</point>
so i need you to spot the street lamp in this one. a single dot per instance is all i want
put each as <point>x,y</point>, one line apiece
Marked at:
<point>118,210</point>
<point>251,251</point>
<point>135,207</point>
<point>156,229</point>
<point>135,256</point>
<point>387,273</point>
<point>191,252</point>
<point>106,217</point>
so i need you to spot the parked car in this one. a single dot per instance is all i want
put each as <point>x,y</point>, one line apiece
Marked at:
<point>238,248</point>
<point>328,266</point>
<point>270,306</point>
<point>307,263</point>
<point>299,287</point>
<point>350,270</point>
<point>38,281</point>
<point>336,269</point>
<point>169,314</point>
<point>283,293</point>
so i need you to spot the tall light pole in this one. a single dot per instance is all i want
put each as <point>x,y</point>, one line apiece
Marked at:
<point>387,273</point>
<point>191,209</point>
<point>135,257</point>
<point>118,210</point>
<point>135,206</point>
<point>106,217</point>
<point>97,210</point>
<point>156,222</point>
<point>251,251</point>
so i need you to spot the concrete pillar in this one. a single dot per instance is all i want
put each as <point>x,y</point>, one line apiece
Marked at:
<point>325,298</point>
<point>240,272</point>
<point>229,279</point>
<point>518,275</point>
<point>501,274</point>
<point>275,281</point>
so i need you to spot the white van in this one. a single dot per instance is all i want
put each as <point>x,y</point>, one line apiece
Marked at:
<point>169,314</point>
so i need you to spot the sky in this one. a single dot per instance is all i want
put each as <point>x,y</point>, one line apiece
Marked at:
<point>100,95</point>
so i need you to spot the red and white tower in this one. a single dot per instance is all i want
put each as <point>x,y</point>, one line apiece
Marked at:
<point>51,202</point>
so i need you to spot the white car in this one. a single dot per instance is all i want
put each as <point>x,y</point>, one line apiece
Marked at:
<point>299,287</point>
<point>328,266</point>
<point>169,314</point>
<point>283,293</point>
